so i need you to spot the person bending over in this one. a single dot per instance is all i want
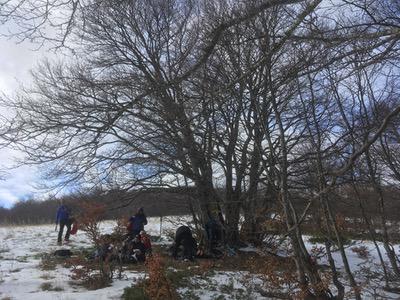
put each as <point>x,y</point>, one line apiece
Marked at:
<point>185,240</point>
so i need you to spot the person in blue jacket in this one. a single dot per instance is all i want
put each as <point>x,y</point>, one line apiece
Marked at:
<point>63,219</point>
<point>137,222</point>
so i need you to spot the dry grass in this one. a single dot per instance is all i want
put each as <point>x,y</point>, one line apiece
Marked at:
<point>15,270</point>
<point>47,277</point>
<point>48,286</point>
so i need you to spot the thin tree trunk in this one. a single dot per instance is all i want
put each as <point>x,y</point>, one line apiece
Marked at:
<point>385,236</point>
<point>347,268</point>
<point>372,234</point>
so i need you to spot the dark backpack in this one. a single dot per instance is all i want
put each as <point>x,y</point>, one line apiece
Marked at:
<point>63,253</point>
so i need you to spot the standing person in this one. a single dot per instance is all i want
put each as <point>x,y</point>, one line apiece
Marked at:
<point>214,232</point>
<point>137,222</point>
<point>63,219</point>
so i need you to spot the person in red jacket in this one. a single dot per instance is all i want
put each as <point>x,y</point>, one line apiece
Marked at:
<point>145,239</point>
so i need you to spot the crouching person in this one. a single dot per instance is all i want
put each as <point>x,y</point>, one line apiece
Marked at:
<point>133,251</point>
<point>145,239</point>
<point>138,249</point>
<point>105,251</point>
<point>184,243</point>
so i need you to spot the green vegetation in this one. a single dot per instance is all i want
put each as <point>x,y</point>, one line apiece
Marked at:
<point>319,239</point>
<point>135,292</point>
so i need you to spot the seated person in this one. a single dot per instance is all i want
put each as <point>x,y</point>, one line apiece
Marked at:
<point>133,250</point>
<point>105,249</point>
<point>145,239</point>
<point>184,241</point>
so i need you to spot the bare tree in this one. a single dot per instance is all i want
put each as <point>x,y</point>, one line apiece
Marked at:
<point>222,96</point>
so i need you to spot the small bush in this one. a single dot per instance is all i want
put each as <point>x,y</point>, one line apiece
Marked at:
<point>15,270</point>
<point>318,239</point>
<point>227,288</point>
<point>89,219</point>
<point>135,292</point>
<point>47,277</point>
<point>178,278</point>
<point>361,251</point>
<point>157,286</point>
<point>93,274</point>
<point>4,250</point>
<point>277,274</point>
<point>48,286</point>
<point>48,262</point>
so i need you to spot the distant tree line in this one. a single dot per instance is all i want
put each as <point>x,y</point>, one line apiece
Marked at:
<point>175,202</point>
<point>118,204</point>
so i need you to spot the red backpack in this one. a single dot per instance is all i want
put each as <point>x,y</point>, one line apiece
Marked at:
<point>129,227</point>
<point>74,229</point>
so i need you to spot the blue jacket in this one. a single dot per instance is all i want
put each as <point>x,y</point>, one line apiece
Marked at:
<point>62,214</point>
<point>138,221</point>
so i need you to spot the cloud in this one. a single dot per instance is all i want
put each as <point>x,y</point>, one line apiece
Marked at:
<point>16,61</point>
<point>18,184</point>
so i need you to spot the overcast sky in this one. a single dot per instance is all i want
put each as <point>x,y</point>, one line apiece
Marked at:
<point>16,61</point>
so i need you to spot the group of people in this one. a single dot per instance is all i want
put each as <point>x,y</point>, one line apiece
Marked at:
<point>131,250</point>
<point>137,245</point>
<point>185,245</point>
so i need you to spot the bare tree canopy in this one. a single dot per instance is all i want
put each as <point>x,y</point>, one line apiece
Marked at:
<point>290,99</point>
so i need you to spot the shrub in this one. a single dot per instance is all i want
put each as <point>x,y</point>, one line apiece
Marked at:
<point>93,274</point>
<point>97,273</point>
<point>135,292</point>
<point>48,286</point>
<point>89,219</point>
<point>361,251</point>
<point>319,239</point>
<point>48,262</point>
<point>157,286</point>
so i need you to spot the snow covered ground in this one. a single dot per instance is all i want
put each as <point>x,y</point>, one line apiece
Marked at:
<point>22,277</point>
<point>367,270</point>
<point>21,252</point>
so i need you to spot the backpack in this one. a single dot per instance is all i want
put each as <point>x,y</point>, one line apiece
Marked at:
<point>74,228</point>
<point>129,227</point>
<point>63,253</point>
